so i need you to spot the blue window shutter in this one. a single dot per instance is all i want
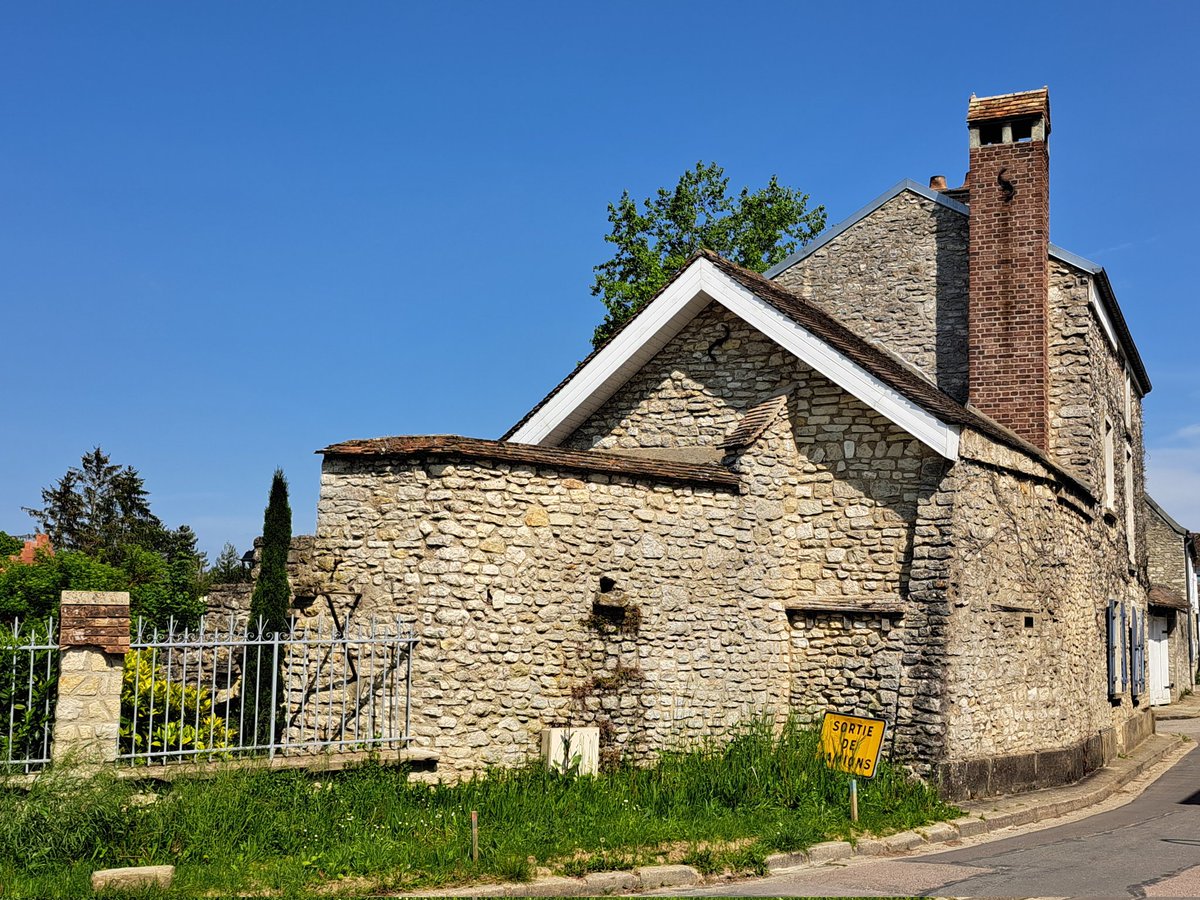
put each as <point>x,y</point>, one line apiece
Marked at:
<point>1124,650</point>
<point>1114,688</point>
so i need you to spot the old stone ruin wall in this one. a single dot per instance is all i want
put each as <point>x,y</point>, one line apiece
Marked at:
<point>1027,699</point>
<point>545,597</point>
<point>233,600</point>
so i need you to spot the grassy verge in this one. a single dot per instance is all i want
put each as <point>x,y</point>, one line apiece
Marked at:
<point>369,829</point>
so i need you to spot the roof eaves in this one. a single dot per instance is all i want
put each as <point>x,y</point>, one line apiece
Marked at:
<point>1109,298</point>
<point>890,194</point>
<point>588,461</point>
<point>1162,514</point>
<point>596,350</point>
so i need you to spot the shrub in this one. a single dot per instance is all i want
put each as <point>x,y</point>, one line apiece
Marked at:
<point>27,693</point>
<point>169,716</point>
<point>32,591</point>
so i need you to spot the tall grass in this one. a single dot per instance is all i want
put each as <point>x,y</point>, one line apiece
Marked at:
<point>722,804</point>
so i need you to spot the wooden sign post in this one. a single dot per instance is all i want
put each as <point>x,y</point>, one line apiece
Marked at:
<point>852,744</point>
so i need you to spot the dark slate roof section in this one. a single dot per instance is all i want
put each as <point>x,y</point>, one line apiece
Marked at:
<point>443,446</point>
<point>755,421</point>
<point>1162,514</point>
<point>1107,297</point>
<point>1161,595</point>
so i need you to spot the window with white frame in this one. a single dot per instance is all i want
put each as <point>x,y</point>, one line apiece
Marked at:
<point>1110,475</point>
<point>1130,522</point>
<point>1128,402</point>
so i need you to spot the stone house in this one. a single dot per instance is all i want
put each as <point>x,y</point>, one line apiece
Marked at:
<point>894,476</point>
<point>1171,650</point>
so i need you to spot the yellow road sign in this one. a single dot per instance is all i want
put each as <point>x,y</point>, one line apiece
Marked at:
<point>852,743</point>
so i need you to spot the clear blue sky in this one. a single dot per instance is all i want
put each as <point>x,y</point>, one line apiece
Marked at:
<point>233,233</point>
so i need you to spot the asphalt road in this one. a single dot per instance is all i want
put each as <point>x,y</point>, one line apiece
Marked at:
<point>1148,848</point>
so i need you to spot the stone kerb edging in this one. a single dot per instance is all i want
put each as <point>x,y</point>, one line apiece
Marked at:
<point>983,817</point>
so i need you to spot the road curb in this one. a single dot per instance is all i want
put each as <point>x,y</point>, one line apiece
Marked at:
<point>983,817</point>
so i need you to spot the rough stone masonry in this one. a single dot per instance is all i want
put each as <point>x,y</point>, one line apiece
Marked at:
<point>730,533</point>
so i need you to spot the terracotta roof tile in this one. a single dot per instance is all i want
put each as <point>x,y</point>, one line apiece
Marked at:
<point>1161,595</point>
<point>1010,106</point>
<point>755,421</point>
<point>589,461</point>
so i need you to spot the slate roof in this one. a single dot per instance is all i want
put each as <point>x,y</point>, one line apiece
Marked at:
<point>445,446</point>
<point>1010,106</point>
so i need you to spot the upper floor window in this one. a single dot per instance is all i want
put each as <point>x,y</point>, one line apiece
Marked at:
<point>1128,402</point>
<point>1130,522</point>
<point>1110,475</point>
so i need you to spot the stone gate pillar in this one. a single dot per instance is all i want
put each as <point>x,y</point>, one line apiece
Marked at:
<point>93,640</point>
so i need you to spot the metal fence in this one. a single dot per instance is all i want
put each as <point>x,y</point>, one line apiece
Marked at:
<point>229,690</point>
<point>28,692</point>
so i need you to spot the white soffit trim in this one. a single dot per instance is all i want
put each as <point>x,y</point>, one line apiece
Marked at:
<point>1102,315</point>
<point>666,317</point>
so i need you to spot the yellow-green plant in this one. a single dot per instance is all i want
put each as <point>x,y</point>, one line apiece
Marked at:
<point>170,719</point>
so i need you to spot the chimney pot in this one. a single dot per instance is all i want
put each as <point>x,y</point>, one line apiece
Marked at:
<point>937,182</point>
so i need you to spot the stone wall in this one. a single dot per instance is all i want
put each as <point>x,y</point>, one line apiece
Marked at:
<point>1088,389</point>
<point>226,600</point>
<point>1166,557</point>
<point>500,568</point>
<point>1075,432</point>
<point>852,663</point>
<point>899,278</point>
<point>662,612</point>
<point>1033,571</point>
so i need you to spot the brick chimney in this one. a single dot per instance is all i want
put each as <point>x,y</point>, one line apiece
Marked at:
<point>1009,184</point>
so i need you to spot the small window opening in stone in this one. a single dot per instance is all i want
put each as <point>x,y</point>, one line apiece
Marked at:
<point>304,601</point>
<point>607,584</point>
<point>609,614</point>
<point>991,134</point>
<point>1022,131</point>
<point>1029,621</point>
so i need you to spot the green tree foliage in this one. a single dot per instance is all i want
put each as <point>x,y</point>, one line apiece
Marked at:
<point>99,508</point>
<point>272,594</point>
<point>28,692</point>
<point>161,715</point>
<point>106,539</point>
<point>32,592</point>
<point>9,545</point>
<point>753,229</point>
<point>269,605</point>
<point>228,568</point>
<point>162,591</point>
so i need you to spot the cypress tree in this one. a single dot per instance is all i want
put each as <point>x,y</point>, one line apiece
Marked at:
<point>272,594</point>
<point>269,606</point>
